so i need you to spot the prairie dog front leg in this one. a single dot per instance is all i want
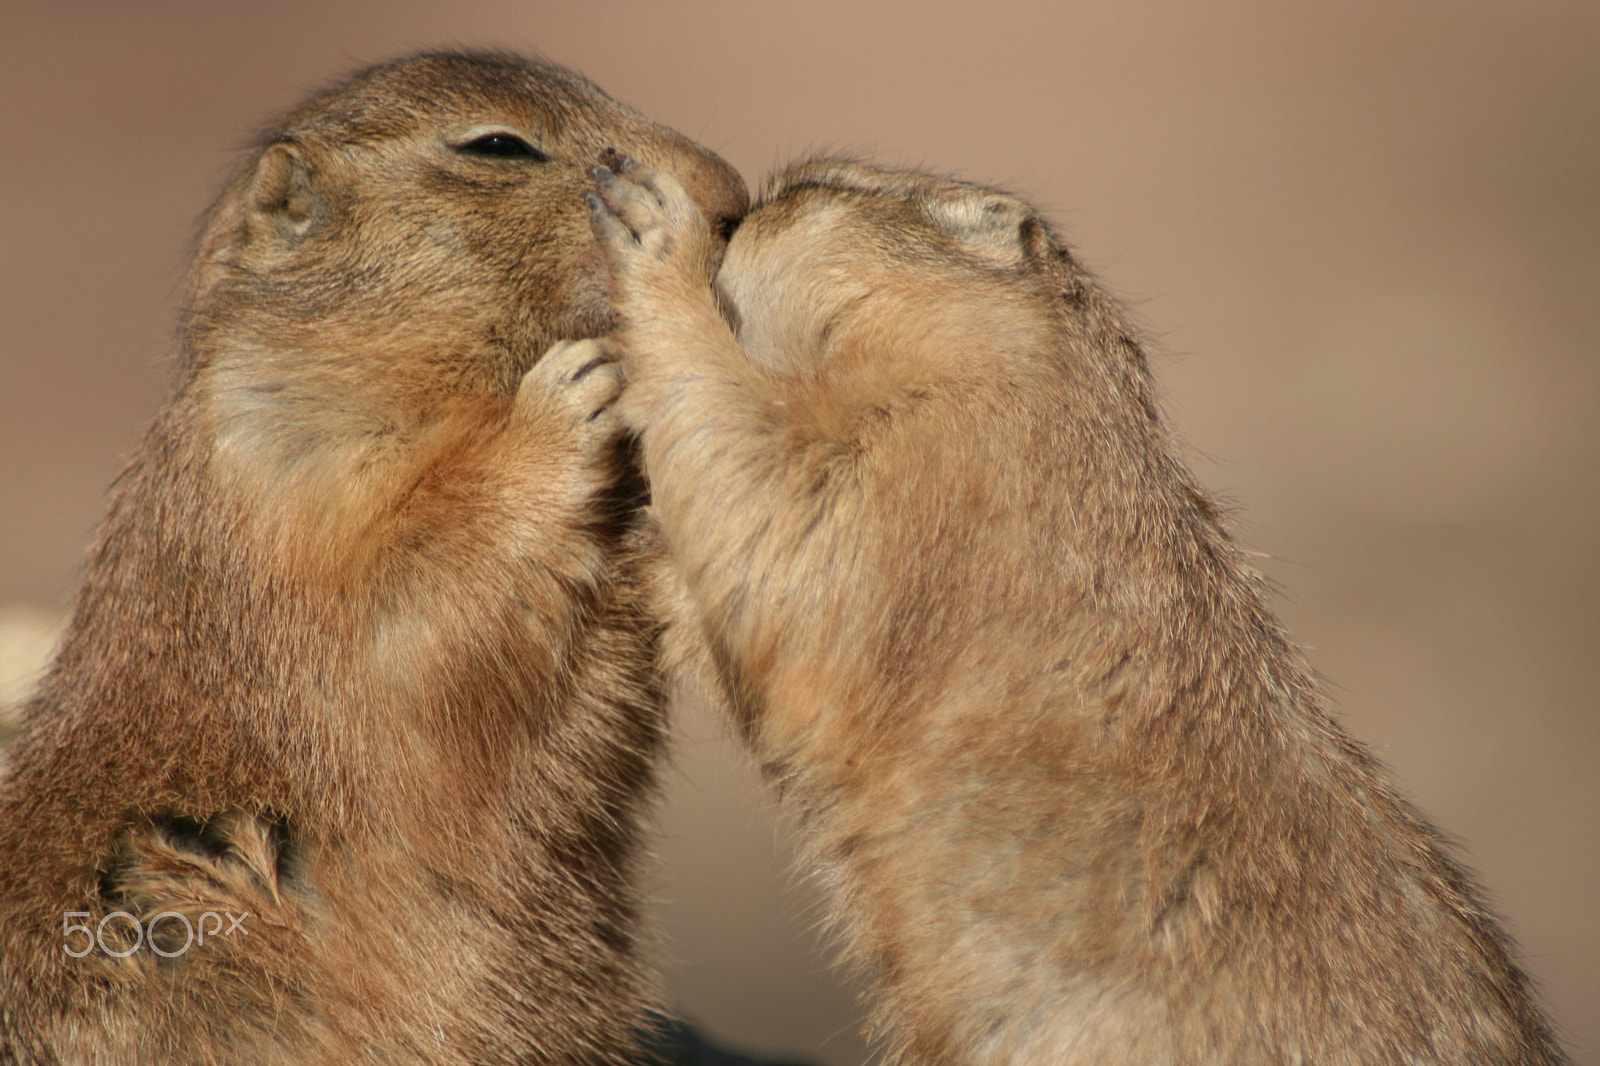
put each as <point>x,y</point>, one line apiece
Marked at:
<point>661,254</point>
<point>713,427</point>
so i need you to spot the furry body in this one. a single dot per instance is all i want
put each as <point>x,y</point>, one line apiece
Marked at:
<point>1072,792</point>
<point>359,652</point>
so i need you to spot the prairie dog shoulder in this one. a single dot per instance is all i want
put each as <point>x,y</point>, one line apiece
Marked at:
<point>1075,793</point>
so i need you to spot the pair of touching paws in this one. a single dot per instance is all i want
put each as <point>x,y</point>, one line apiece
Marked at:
<point>661,253</point>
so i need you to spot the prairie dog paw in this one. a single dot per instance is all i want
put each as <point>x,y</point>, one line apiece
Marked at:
<point>651,230</point>
<point>582,379</point>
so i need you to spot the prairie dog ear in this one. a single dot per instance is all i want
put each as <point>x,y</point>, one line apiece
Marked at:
<point>992,225</point>
<point>284,204</point>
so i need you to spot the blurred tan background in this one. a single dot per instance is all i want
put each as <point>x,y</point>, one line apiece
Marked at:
<point>1364,238</point>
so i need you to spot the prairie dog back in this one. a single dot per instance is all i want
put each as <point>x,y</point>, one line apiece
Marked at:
<point>1073,791</point>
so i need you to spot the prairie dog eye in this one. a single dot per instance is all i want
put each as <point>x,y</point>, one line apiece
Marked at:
<point>502,145</point>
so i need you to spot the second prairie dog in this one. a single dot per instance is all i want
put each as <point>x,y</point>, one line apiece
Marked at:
<point>1072,792</point>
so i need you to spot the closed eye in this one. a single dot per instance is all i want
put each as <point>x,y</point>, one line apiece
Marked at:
<point>502,146</point>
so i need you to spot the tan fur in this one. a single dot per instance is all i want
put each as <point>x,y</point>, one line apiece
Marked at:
<point>360,652</point>
<point>1072,791</point>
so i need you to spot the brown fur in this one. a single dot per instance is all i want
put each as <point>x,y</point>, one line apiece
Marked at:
<point>359,652</point>
<point>1072,791</point>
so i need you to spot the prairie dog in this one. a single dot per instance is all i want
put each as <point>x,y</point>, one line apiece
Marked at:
<point>343,753</point>
<point>1072,792</point>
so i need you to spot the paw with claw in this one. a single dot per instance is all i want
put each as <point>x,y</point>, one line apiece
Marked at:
<point>574,386</point>
<point>660,251</point>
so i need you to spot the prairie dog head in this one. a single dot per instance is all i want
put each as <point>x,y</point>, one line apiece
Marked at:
<point>840,254</point>
<point>444,192</point>
<point>413,238</point>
